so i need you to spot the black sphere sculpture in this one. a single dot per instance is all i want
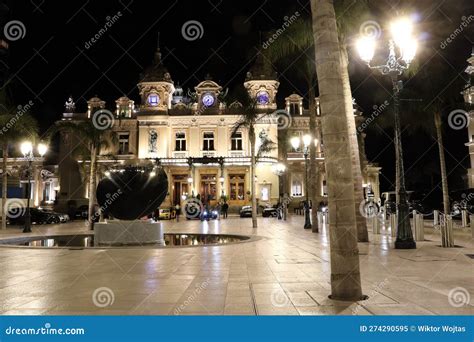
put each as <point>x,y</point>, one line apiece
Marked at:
<point>132,193</point>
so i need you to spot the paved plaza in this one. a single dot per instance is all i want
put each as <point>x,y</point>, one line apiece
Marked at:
<point>284,270</point>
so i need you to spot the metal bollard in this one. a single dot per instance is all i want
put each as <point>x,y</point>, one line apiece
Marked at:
<point>435,218</point>
<point>375,224</point>
<point>464,218</point>
<point>449,242</point>
<point>393,224</point>
<point>419,226</point>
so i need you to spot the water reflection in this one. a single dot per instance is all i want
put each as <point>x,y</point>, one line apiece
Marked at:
<point>170,240</point>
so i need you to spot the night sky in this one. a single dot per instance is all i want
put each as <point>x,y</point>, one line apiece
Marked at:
<point>52,61</point>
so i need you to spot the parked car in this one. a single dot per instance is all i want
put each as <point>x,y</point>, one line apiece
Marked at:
<point>63,218</point>
<point>269,211</point>
<point>81,212</point>
<point>166,213</point>
<point>209,214</point>
<point>389,201</point>
<point>246,211</point>
<point>462,199</point>
<point>425,202</point>
<point>38,216</point>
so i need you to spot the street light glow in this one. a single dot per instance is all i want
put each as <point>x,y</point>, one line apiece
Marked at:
<point>307,140</point>
<point>401,31</point>
<point>295,142</point>
<point>409,50</point>
<point>366,48</point>
<point>42,148</point>
<point>26,148</point>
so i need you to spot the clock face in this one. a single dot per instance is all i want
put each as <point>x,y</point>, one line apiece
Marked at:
<point>208,100</point>
<point>153,99</point>
<point>263,97</point>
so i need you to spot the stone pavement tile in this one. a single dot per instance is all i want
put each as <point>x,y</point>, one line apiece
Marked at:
<point>9,303</point>
<point>331,310</point>
<point>265,286</point>
<point>238,293</point>
<point>273,310</point>
<point>163,298</point>
<point>238,300</point>
<point>239,309</point>
<point>27,312</point>
<point>153,309</point>
<point>303,286</point>
<point>451,310</point>
<point>397,309</point>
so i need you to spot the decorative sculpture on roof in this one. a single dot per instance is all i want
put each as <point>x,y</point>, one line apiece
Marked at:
<point>70,105</point>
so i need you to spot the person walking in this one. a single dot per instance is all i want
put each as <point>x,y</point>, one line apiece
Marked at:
<point>225,207</point>
<point>177,209</point>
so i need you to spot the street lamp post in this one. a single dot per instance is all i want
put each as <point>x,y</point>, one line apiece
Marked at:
<point>27,151</point>
<point>394,67</point>
<point>279,170</point>
<point>296,142</point>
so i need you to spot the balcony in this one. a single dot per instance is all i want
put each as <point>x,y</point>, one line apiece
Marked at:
<point>208,153</point>
<point>180,154</point>
<point>236,154</point>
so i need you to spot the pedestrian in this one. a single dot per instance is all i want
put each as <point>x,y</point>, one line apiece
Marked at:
<point>225,207</point>
<point>177,209</point>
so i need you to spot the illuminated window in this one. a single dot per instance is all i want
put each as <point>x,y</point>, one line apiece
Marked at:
<point>208,141</point>
<point>236,141</point>
<point>296,188</point>
<point>123,143</point>
<point>180,141</point>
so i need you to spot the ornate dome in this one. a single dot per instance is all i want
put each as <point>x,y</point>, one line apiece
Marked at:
<point>261,69</point>
<point>157,71</point>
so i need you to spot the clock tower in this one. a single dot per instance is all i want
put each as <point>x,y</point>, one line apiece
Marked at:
<point>156,86</point>
<point>261,83</point>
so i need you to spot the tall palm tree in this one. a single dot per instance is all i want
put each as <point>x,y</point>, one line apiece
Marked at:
<point>249,118</point>
<point>16,126</point>
<point>93,142</point>
<point>296,48</point>
<point>336,104</point>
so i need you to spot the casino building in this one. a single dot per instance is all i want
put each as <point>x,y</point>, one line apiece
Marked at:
<point>192,136</point>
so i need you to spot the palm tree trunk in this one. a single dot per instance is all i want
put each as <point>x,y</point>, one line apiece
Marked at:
<point>252,176</point>
<point>92,187</point>
<point>446,236</point>
<point>336,106</point>
<point>362,233</point>
<point>4,184</point>
<point>313,167</point>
